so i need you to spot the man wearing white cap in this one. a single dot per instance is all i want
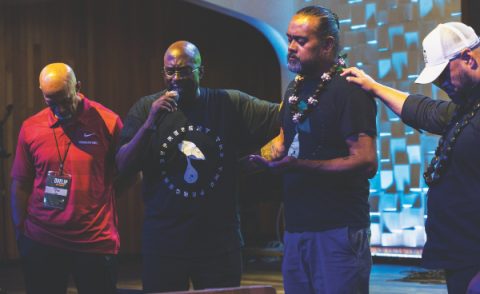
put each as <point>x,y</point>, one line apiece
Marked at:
<point>452,63</point>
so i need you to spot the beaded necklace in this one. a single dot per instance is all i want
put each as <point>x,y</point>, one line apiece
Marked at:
<point>444,149</point>
<point>300,108</point>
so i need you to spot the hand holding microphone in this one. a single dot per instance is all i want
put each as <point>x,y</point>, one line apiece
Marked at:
<point>160,107</point>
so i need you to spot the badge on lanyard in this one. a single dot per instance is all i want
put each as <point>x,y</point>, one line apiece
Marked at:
<point>57,186</point>
<point>294,149</point>
<point>57,189</point>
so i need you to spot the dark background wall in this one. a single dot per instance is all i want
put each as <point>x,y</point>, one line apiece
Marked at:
<point>116,49</point>
<point>470,10</point>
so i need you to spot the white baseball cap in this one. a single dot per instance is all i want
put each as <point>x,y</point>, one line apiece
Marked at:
<point>441,45</point>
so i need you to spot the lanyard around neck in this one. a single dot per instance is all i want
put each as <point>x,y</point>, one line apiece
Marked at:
<point>62,161</point>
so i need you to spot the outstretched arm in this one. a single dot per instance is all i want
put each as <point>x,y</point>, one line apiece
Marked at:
<point>393,98</point>
<point>362,159</point>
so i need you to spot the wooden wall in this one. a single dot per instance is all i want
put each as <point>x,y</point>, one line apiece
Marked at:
<point>116,49</point>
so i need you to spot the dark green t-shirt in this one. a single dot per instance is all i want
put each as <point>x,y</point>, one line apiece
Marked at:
<point>190,169</point>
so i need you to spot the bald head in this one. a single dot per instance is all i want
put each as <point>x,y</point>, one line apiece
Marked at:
<point>57,77</point>
<point>183,70</point>
<point>182,51</point>
<point>59,87</point>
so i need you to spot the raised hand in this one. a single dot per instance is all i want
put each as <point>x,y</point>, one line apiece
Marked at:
<point>166,102</point>
<point>360,78</point>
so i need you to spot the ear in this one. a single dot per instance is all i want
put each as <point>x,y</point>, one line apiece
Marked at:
<point>468,58</point>
<point>201,71</point>
<point>328,43</point>
<point>473,60</point>
<point>78,86</point>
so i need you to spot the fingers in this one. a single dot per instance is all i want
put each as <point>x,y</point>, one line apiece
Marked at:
<point>166,102</point>
<point>172,94</point>
<point>346,71</point>
<point>276,167</point>
<point>353,79</point>
<point>353,71</point>
<point>258,160</point>
<point>349,71</point>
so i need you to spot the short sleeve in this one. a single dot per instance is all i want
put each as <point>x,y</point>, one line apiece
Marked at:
<point>136,117</point>
<point>259,119</point>
<point>358,112</point>
<point>23,165</point>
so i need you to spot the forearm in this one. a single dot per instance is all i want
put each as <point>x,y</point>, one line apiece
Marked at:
<point>131,153</point>
<point>394,99</point>
<point>20,193</point>
<point>349,164</point>
<point>422,112</point>
<point>362,158</point>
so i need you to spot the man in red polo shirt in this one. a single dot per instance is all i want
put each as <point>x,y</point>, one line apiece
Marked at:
<point>62,194</point>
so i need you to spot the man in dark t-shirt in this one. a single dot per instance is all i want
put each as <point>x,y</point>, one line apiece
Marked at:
<point>452,57</point>
<point>329,152</point>
<point>186,141</point>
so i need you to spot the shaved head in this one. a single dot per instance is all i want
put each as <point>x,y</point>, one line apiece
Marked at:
<point>56,77</point>
<point>183,70</point>
<point>59,88</point>
<point>183,50</point>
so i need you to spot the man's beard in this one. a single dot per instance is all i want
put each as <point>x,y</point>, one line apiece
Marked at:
<point>304,68</point>
<point>294,65</point>
<point>460,95</point>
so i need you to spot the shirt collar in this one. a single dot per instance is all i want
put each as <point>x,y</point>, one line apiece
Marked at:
<point>81,115</point>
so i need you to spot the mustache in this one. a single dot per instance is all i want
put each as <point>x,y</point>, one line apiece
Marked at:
<point>292,55</point>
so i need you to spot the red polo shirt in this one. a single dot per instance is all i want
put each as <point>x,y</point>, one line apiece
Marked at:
<point>89,221</point>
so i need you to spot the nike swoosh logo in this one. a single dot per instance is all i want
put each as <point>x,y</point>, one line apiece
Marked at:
<point>86,135</point>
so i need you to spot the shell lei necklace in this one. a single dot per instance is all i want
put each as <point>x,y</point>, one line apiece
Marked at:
<point>300,108</point>
<point>445,148</point>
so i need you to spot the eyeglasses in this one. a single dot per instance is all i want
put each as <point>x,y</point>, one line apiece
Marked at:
<point>182,71</point>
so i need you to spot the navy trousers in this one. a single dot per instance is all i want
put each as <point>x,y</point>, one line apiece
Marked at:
<point>165,273</point>
<point>46,269</point>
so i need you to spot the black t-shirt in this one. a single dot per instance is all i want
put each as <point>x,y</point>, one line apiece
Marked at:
<point>190,170</point>
<point>314,201</point>
<point>453,222</point>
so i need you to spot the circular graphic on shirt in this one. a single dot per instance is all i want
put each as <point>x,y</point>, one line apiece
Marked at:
<point>191,161</point>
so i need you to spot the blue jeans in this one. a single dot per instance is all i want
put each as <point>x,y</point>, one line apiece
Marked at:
<point>335,261</point>
<point>165,273</point>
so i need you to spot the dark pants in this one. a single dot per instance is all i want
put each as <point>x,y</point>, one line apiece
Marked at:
<point>164,273</point>
<point>458,280</point>
<point>46,269</point>
<point>333,261</point>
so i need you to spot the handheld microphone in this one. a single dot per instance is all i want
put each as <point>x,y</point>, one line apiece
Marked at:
<point>161,116</point>
<point>175,88</point>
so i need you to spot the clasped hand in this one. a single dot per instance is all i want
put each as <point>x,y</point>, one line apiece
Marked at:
<point>276,166</point>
